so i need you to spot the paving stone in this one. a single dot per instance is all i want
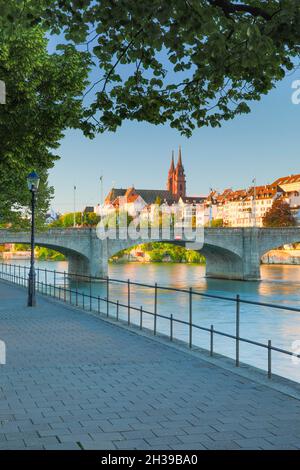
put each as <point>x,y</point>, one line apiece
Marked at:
<point>92,445</point>
<point>108,436</point>
<point>64,446</point>
<point>13,445</point>
<point>252,443</point>
<point>132,444</point>
<point>12,436</point>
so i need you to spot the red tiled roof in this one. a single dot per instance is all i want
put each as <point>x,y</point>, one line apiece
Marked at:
<point>288,179</point>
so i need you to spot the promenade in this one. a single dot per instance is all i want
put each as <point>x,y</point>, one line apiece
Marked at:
<point>73,381</point>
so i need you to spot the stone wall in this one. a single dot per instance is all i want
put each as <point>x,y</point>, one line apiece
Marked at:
<point>282,257</point>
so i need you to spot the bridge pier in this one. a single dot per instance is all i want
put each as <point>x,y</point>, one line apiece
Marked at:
<point>232,270</point>
<point>78,265</point>
<point>94,263</point>
<point>223,264</point>
<point>237,259</point>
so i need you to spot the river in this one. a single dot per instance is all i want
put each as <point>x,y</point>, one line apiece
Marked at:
<point>280,284</point>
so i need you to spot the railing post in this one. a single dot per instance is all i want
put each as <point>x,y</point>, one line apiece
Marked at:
<point>46,278</point>
<point>59,292</point>
<point>128,301</point>
<point>171,327</point>
<point>155,309</point>
<point>76,296</point>
<point>190,318</point>
<point>117,312</point>
<point>269,359</point>
<point>107,296</point>
<point>237,332</point>
<point>90,293</point>
<point>212,340</point>
<point>14,273</point>
<point>65,287</point>
<point>54,274</point>
<point>141,318</point>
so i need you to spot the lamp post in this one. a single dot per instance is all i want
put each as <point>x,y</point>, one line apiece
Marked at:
<point>33,184</point>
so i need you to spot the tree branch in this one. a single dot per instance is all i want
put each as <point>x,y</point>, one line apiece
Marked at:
<point>229,7</point>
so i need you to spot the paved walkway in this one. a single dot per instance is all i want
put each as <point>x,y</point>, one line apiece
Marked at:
<point>73,381</point>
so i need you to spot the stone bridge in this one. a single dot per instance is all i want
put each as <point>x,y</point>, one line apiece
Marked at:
<point>231,253</point>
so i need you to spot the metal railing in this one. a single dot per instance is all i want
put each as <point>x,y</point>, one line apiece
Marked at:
<point>19,275</point>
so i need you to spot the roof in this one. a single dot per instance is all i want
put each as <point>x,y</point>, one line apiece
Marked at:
<point>288,180</point>
<point>193,199</point>
<point>265,192</point>
<point>132,198</point>
<point>236,195</point>
<point>148,195</point>
<point>89,209</point>
<point>113,194</point>
<point>261,192</point>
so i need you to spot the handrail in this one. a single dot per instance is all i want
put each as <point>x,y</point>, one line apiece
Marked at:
<point>15,276</point>
<point>169,288</point>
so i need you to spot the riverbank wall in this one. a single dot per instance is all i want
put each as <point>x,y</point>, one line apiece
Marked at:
<point>290,257</point>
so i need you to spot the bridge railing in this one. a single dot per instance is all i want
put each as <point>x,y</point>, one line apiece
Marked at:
<point>56,284</point>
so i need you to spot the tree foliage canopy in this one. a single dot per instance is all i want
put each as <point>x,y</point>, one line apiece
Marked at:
<point>44,97</point>
<point>280,215</point>
<point>82,219</point>
<point>191,63</point>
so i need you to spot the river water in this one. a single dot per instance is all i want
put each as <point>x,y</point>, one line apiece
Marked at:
<point>279,284</point>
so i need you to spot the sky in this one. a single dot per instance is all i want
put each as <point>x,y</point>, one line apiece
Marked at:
<point>263,144</point>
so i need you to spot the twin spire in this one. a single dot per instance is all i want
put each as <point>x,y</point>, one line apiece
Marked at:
<point>179,162</point>
<point>176,178</point>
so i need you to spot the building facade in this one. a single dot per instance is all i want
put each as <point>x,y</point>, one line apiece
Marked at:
<point>142,202</point>
<point>231,208</point>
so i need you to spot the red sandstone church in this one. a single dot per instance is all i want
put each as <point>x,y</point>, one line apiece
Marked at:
<point>176,190</point>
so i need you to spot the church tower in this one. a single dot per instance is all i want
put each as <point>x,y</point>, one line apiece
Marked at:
<point>179,181</point>
<point>171,175</point>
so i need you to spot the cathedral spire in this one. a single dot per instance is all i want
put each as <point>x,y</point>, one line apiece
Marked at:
<point>179,163</point>
<point>171,174</point>
<point>179,181</point>
<point>172,167</point>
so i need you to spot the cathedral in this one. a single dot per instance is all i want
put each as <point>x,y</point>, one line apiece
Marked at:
<point>175,190</point>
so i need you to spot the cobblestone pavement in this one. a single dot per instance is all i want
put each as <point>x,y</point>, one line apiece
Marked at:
<point>73,381</point>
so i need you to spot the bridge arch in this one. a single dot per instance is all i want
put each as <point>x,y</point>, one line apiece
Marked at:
<point>278,238</point>
<point>220,262</point>
<point>77,261</point>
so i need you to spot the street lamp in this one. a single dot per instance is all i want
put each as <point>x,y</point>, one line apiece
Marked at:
<point>33,184</point>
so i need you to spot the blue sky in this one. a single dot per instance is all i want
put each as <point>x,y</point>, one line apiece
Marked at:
<point>263,144</point>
